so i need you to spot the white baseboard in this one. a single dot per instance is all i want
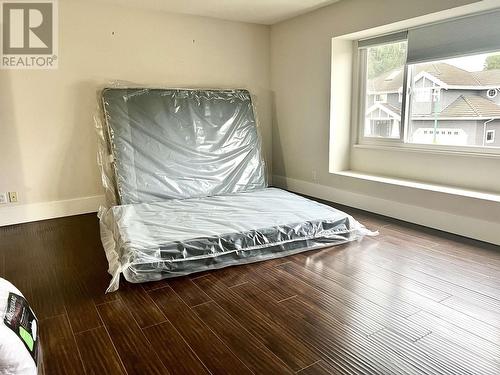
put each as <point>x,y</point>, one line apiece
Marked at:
<point>23,213</point>
<point>446,221</point>
<point>462,225</point>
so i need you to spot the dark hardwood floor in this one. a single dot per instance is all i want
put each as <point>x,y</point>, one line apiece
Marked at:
<point>410,301</point>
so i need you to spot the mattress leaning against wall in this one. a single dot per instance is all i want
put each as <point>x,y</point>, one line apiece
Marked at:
<point>169,144</point>
<point>187,168</point>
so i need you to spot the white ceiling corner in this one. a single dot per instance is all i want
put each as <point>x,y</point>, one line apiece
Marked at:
<point>265,12</point>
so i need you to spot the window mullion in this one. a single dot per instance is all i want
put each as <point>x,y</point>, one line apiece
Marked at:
<point>405,105</point>
<point>362,92</point>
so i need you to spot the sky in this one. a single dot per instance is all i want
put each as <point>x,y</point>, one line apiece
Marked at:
<point>471,63</point>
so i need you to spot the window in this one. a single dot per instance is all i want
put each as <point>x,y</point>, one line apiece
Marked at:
<point>380,98</point>
<point>449,95</point>
<point>490,136</point>
<point>422,94</point>
<point>491,93</point>
<point>381,128</point>
<point>383,69</point>
<point>436,94</point>
<point>432,87</point>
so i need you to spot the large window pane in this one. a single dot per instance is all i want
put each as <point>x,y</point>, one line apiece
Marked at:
<point>456,101</point>
<point>384,87</point>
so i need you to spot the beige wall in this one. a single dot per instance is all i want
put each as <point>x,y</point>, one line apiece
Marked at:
<point>300,76</point>
<point>48,145</point>
<point>47,138</point>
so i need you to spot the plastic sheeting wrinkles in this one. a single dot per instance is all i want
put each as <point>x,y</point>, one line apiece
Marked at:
<point>209,147</point>
<point>179,237</point>
<point>187,168</point>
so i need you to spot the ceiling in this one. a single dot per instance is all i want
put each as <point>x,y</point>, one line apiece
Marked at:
<point>255,11</point>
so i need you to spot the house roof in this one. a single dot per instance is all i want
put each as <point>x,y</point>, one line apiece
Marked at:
<point>387,82</point>
<point>471,106</point>
<point>396,110</point>
<point>465,106</point>
<point>451,75</point>
<point>391,111</point>
<point>488,77</point>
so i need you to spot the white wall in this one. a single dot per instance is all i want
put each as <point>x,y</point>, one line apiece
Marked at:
<point>300,76</point>
<point>47,139</point>
<point>48,145</point>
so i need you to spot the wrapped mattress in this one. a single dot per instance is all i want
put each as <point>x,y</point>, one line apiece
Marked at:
<point>151,241</point>
<point>186,169</point>
<point>169,144</point>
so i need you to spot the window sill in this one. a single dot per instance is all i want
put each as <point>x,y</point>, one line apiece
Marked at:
<point>427,150</point>
<point>492,197</point>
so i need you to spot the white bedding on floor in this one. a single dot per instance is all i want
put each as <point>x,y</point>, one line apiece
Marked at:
<point>14,357</point>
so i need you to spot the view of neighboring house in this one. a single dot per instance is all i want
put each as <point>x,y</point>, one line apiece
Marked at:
<point>449,105</point>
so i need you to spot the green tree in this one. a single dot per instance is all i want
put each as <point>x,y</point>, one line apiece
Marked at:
<point>384,58</point>
<point>492,62</point>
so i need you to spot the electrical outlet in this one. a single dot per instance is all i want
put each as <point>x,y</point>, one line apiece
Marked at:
<point>12,196</point>
<point>3,198</point>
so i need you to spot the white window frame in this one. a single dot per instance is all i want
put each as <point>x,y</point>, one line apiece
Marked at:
<point>362,79</point>
<point>491,96</point>
<point>359,76</point>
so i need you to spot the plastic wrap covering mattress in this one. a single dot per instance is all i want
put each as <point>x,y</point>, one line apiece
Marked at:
<point>151,241</point>
<point>187,168</point>
<point>182,143</point>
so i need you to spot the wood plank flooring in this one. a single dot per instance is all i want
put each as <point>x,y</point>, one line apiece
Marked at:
<point>410,301</point>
